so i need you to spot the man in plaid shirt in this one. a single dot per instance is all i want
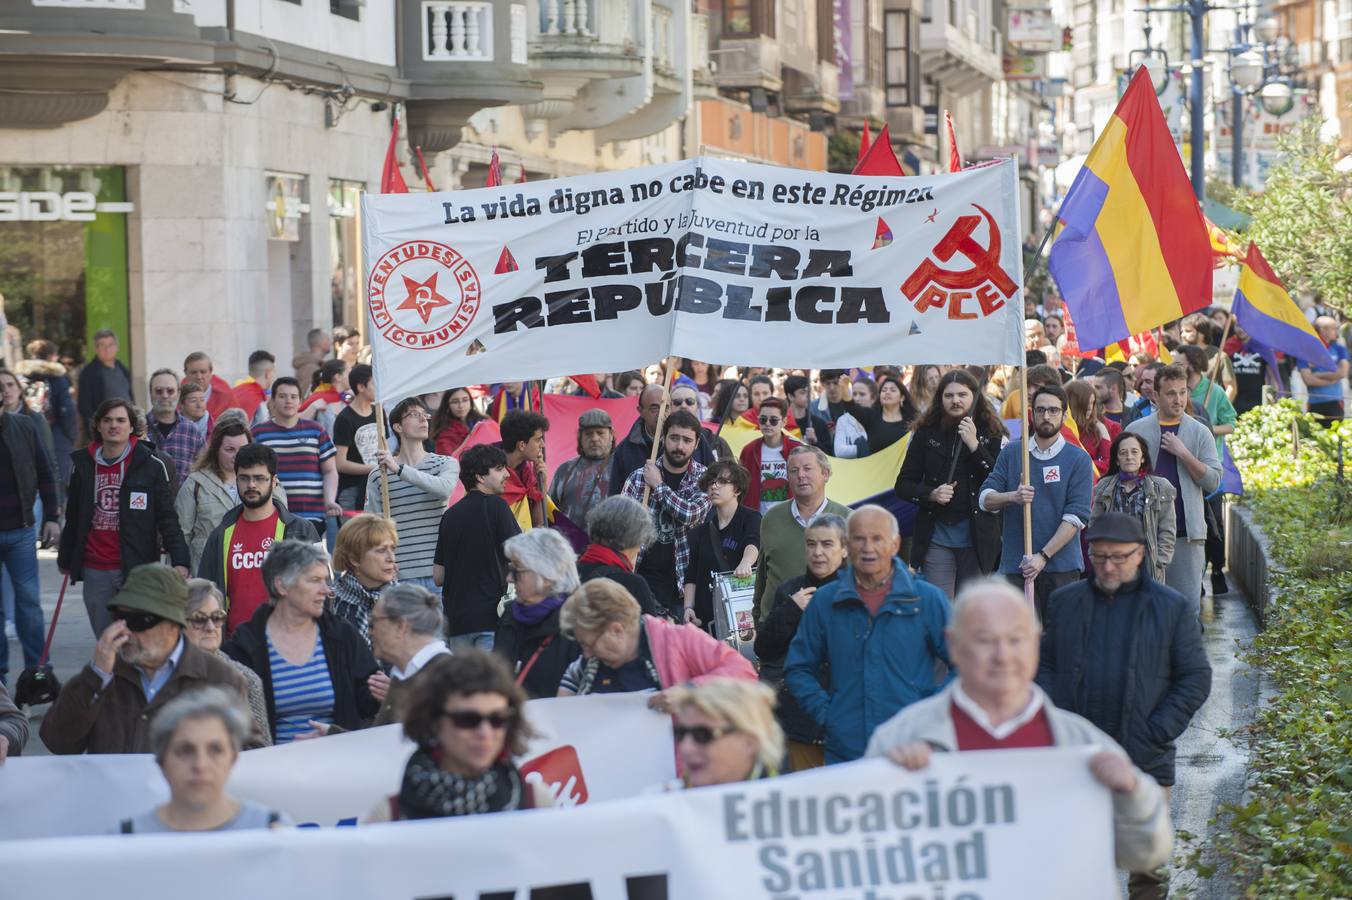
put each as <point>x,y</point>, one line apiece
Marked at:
<point>678,507</point>
<point>170,431</point>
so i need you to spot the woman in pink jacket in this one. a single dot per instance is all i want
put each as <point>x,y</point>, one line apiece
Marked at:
<point>623,650</point>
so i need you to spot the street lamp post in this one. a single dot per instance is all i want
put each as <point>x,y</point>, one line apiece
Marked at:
<point>1250,70</point>
<point>1196,11</point>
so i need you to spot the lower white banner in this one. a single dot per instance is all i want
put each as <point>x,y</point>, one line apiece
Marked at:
<point>600,747</point>
<point>994,825</point>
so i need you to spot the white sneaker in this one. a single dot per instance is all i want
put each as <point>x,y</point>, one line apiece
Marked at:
<point>10,633</point>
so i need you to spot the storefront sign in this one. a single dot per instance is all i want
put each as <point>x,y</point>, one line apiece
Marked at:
<point>50,206</point>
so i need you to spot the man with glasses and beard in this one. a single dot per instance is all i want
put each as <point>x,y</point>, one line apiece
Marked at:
<point>1125,652</point>
<point>678,506</point>
<point>141,662</point>
<point>1182,451</point>
<point>1060,492</point>
<point>952,451</point>
<point>234,552</point>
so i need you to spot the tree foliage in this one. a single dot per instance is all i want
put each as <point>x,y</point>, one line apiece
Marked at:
<point>1302,221</point>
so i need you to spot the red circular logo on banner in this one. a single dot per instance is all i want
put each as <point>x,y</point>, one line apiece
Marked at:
<point>423,294</point>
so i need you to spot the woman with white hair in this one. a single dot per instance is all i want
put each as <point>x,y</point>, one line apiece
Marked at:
<point>196,739</point>
<point>725,731</point>
<point>406,628</point>
<point>540,563</point>
<point>313,664</point>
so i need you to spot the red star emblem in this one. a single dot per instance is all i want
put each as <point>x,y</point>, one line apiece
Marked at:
<point>423,297</point>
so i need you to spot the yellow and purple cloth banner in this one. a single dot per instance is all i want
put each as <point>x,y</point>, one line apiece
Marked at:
<point>1134,251</point>
<point>1271,318</point>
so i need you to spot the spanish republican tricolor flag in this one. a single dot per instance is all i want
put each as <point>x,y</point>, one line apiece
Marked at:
<point>1134,252</point>
<point>1271,318</point>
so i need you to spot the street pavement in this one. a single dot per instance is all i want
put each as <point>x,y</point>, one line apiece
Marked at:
<point>1211,766</point>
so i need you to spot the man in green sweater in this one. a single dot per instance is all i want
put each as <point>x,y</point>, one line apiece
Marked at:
<point>783,551</point>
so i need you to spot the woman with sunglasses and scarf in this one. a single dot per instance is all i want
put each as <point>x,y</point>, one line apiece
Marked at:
<point>725,732</point>
<point>205,618</point>
<point>465,713</point>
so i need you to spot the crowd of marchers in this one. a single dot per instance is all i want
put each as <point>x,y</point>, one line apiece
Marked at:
<point>259,566</point>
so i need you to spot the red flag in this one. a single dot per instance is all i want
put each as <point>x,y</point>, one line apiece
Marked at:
<point>422,164</point>
<point>588,384</point>
<point>954,160</point>
<point>494,171</point>
<point>880,158</point>
<point>391,179</point>
<point>863,144</point>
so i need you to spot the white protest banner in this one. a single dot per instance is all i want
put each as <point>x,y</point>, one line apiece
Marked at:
<point>588,749</point>
<point>706,258</point>
<point>995,825</point>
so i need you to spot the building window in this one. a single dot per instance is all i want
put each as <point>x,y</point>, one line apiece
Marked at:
<point>900,63</point>
<point>743,18</point>
<point>348,9</point>
<point>826,31</point>
<point>344,279</point>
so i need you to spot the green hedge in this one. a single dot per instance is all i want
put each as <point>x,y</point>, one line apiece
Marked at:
<point>1292,838</point>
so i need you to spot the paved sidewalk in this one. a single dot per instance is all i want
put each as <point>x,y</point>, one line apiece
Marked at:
<point>73,646</point>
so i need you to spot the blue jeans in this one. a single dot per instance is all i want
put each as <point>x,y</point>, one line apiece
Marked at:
<point>19,557</point>
<point>483,640</point>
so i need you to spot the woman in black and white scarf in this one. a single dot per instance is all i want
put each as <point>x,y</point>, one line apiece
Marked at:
<point>465,713</point>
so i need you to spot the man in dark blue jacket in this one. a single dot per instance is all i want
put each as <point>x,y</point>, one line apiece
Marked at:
<point>881,630</point>
<point>1125,652</point>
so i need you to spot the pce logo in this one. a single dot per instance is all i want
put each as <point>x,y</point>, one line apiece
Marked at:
<point>932,285</point>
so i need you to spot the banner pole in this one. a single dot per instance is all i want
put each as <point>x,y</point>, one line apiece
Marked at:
<point>1215,370</point>
<point>657,429</point>
<point>364,303</point>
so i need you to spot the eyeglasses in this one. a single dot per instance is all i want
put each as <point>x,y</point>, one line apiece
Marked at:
<point>417,415</point>
<point>252,479</point>
<point>725,482</point>
<point>1047,412</point>
<point>207,622</point>
<point>700,734</point>
<point>469,720</point>
<point>688,401</point>
<point>770,420</point>
<point>1115,559</point>
<point>136,620</point>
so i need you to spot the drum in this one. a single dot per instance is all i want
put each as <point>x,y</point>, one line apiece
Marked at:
<point>735,611</point>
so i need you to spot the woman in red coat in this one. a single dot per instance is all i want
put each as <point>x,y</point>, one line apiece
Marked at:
<point>766,458</point>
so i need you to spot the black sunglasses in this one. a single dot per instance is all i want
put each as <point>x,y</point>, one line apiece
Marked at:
<point>136,619</point>
<point>469,720</point>
<point>700,734</point>
<point>770,420</point>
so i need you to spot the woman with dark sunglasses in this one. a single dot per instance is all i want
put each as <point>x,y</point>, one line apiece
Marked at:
<point>766,459</point>
<point>725,732</point>
<point>205,617</point>
<point>465,713</point>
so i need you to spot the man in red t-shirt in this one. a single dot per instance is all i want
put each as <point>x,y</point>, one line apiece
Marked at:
<point>994,705</point>
<point>234,552</point>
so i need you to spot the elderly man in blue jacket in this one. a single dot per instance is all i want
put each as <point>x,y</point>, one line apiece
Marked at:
<point>879,628</point>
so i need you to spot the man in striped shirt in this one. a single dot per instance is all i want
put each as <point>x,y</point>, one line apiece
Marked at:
<point>420,485</point>
<point>306,464</point>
